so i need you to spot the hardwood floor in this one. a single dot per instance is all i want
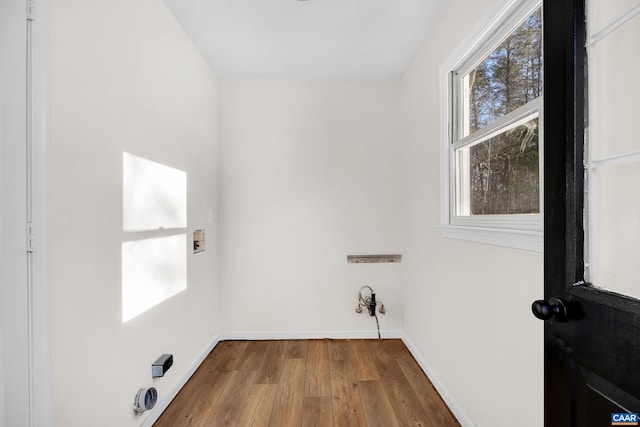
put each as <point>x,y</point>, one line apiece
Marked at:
<point>305,383</point>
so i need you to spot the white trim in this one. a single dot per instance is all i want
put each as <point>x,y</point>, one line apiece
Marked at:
<point>309,335</point>
<point>498,27</point>
<point>481,32</point>
<point>615,24</point>
<point>515,118</point>
<point>619,159</point>
<point>163,403</point>
<point>525,222</point>
<point>589,194</point>
<point>456,409</point>
<point>510,238</point>
<point>527,235</point>
<point>41,367</point>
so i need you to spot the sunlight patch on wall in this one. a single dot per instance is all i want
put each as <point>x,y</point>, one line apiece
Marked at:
<point>154,195</point>
<point>153,270</point>
<point>154,247</point>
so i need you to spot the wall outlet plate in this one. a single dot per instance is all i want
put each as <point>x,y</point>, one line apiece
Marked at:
<point>198,241</point>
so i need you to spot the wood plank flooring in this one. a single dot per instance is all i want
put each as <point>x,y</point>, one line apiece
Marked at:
<point>308,383</point>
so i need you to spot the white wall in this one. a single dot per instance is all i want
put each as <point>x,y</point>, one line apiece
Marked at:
<point>467,305</point>
<point>313,170</point>
<point>310,175</point>
<point>124,78</point>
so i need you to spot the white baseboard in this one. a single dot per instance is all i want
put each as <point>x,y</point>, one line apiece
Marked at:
<point>462,418</point>
<point>166,400</point>
<point>308,335</point>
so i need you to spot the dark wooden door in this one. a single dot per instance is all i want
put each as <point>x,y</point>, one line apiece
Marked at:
<point>592,355</point>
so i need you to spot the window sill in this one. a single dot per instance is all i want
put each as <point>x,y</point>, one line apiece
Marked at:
<point>517,239</point>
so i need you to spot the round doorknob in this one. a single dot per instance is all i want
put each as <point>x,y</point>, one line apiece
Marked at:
<point>555,309</point>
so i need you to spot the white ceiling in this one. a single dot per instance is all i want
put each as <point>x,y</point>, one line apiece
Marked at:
<point>307,38</point>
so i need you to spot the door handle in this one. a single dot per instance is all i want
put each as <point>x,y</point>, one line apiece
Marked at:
<point>555,309</point>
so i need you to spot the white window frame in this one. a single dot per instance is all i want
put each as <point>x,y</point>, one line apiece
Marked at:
<point>514,231</point>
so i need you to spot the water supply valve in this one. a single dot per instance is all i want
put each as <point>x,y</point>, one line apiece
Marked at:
<point>368,300</point>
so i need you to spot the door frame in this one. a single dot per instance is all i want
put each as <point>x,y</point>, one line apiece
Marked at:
<point>563,183</point>
<point>41,393</point>
<point>36,279</point>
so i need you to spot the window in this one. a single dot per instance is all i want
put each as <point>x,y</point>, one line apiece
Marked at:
<point>612,148</point>
<point>493,152</point>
